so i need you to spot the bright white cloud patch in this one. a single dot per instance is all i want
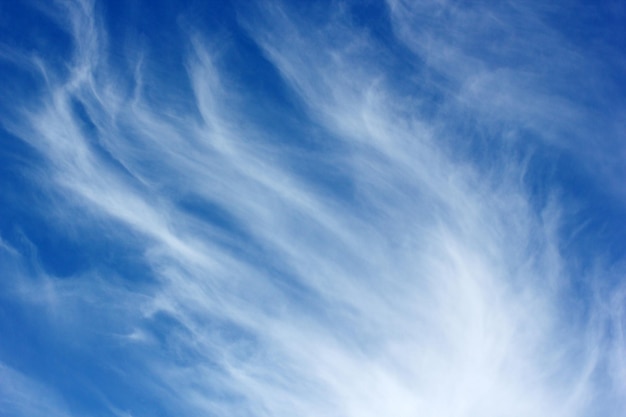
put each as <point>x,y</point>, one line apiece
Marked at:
<point>342,211</point>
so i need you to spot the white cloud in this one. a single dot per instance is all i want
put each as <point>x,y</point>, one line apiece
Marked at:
<point>437,289</point>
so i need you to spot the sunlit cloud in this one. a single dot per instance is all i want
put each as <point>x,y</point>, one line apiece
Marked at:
<point>306,216</point>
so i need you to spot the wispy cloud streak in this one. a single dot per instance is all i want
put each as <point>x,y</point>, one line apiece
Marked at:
<point>432,284</point>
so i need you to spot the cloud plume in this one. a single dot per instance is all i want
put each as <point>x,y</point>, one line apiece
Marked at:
<point>304,213</point>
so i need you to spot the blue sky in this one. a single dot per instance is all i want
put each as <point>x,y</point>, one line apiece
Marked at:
<point>334,208</point>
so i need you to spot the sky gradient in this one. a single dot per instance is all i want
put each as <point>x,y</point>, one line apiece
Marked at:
<point>292,208</point>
